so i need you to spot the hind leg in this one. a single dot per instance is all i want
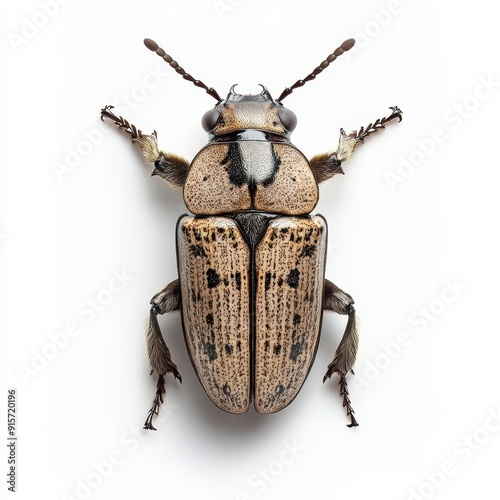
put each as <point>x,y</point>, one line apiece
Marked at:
<point>160,360</point>
<point>340,302</point>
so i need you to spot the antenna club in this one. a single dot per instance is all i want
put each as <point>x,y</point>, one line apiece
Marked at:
<point>151,44</point>
<point>348,44</point>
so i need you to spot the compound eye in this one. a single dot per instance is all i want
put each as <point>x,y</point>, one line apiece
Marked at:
<point>209,120</point>
<point>288,119</point>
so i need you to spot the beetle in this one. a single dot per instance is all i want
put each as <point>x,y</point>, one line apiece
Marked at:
<point>251,284</point>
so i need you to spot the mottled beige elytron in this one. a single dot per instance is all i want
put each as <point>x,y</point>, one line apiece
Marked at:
<point>290,267</point>
<point>214,268</point>
<point>214,273</point>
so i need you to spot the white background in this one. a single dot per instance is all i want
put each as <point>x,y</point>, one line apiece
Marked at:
<point>420,255</point>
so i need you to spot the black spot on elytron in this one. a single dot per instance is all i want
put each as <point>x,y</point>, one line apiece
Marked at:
<point>266,345</point>
<point>235,170</point>
<point>226,282</point>
<point>205,178</point>
<point>280,281</point>
<point>279,389</point>
<point>307,251</point>
<point>268,281</point>
<point>284,230</point>
<point>193,295</point>
<point>237,277</point>
<point>197,251</point>
<point>210,319</point>
<point>273,235</point>
<point>210,351</point>
<point>292,279</point>
<point>220,230</point>
<point>214,237</point>
<point>296,351</point>
<point>226,389</point>
<point>238,345</point>
<point>229,349</point>
<point>292,236</point>
<point>296,319</point>
<point>277,349</point>
<point>213,278</point>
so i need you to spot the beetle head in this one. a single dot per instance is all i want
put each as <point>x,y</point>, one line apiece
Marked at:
<point>239,112</point>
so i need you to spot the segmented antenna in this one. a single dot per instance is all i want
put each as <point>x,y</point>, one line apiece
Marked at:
<point>153,46</point>
<point>347,45</point>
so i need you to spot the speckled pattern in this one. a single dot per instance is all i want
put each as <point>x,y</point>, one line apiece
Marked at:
<point>257,175</point>
<point>214,264</point>
<point>208,188</point>
<point>249,115</point>
<point>290,263</point>
<point>294,190</point>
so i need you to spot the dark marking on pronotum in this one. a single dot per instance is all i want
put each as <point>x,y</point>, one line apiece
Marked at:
<point>210,351</point>
<point>213,278</point>
<point>276,166</point>
<point>292,279</point>
<point>237,175</point>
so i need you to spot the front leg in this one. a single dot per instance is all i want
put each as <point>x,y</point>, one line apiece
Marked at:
<point>171,167</point>
<point>328,164</point>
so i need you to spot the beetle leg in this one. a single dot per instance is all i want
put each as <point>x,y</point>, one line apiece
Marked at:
<point>340,302</point>
<point>160,360</point>
<point>328,164</point>
<point>171,167</point>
